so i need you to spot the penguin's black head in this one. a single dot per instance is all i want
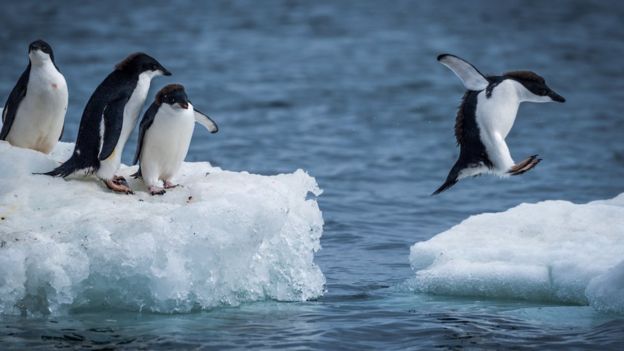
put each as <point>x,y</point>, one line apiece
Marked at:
<point>536,85</point>
<point>40,46</point>
<point>173,94</point>
<point>139,62</point>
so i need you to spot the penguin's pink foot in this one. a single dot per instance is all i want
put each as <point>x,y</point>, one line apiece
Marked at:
<point>169,185</point>
<point>524,166</point>
<point>118,186</point>
<point>154,190</point>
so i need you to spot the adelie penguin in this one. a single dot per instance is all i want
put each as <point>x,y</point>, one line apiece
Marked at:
<point>108,119</point>
<point>34,113</point>
<point>485,117</point>
<point>165,135</point>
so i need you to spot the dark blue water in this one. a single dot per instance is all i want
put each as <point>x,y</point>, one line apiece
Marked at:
<point>352,93</point>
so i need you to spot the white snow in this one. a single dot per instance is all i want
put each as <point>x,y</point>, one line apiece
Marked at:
<point>223,238</point>
<point>550,251</point>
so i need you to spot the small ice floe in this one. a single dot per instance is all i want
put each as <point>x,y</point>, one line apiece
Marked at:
<point>220,239</point>
<point>549,251</point>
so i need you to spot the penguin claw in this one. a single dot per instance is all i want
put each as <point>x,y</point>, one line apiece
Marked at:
<point>169,185</point>
<point>119,186</point>
<point>119,180</point>
<point>156,191</point>
<point>524,166</point>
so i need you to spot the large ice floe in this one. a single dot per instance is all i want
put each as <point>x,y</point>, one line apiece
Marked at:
<point>549,251</point>
<point>223,238</point>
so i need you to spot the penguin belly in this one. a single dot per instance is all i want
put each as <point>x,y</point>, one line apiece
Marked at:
<point>166,145</point>
<point>109,166</point>
<point>39,119</point>
<point>495,117</point>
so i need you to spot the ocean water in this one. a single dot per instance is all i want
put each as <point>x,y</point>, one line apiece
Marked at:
<point>351,92</point>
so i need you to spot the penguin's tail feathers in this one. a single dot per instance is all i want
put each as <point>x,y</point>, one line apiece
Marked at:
<point>68,167</point>
<point>447,184</point>
<point>451,179</point>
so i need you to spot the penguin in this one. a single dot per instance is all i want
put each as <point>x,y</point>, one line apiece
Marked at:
<point>108,119</point>
<point>485,117</point>
<point>165,135</point>
<point>34,114</point>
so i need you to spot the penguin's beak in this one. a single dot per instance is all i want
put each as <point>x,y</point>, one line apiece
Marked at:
<point>556,97</point>
<point>183,104</point>
<point>165,71</point>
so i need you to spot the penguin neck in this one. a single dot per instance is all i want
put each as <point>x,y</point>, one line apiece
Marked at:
<point>43,65</point>
<point>40,60</point>
<point>522,94</point>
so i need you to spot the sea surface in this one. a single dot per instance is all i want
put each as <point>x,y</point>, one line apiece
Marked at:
<point>351,92</point>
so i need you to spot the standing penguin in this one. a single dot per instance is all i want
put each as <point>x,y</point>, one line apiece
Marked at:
<point>34,113</point>
<point>109,118</point>
<point>164,137</point>
<point>485,117</point>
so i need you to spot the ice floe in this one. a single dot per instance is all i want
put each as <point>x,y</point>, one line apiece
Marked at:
<point>222,238</point>
<point>549,251</point>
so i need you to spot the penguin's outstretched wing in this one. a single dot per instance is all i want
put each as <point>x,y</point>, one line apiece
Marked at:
<point>13,102</point>
<point>146,122</point>
<point>469,75</point>
<point>113,121</point>
<point>205,121</point>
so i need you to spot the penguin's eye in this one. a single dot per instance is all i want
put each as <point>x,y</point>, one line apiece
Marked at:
<point>153,67</point>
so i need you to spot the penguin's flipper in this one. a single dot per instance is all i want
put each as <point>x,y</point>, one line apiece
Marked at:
<point>146,122</point>
<point>206,121</point>
<point>15,98</point>
<point>62,131</point>
<point>113,121</point>
<point>469,75</point>
<point>524,166</point>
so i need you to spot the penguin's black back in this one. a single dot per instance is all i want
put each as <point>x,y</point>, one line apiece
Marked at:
<point>120,84</point>
<point>472,152</point>
<point>15,98</point>
<point>467,133</point>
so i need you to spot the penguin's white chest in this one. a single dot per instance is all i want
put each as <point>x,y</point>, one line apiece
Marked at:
<point>497,113</point>
<point>40,116</point>
<point>495,117</point>
<point>166,143</point>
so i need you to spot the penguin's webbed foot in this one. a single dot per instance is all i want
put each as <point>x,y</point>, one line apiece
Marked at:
<point>118,186</point>
<point>524,166</point>
<point>154,190</point>
<point>169,185</point>
<point>119,180</point>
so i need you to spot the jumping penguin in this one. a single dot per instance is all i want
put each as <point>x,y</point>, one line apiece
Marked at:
<point>165,135</point>
<point>34,113</point>
<point>108,119</point>
<point>485,117</point>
